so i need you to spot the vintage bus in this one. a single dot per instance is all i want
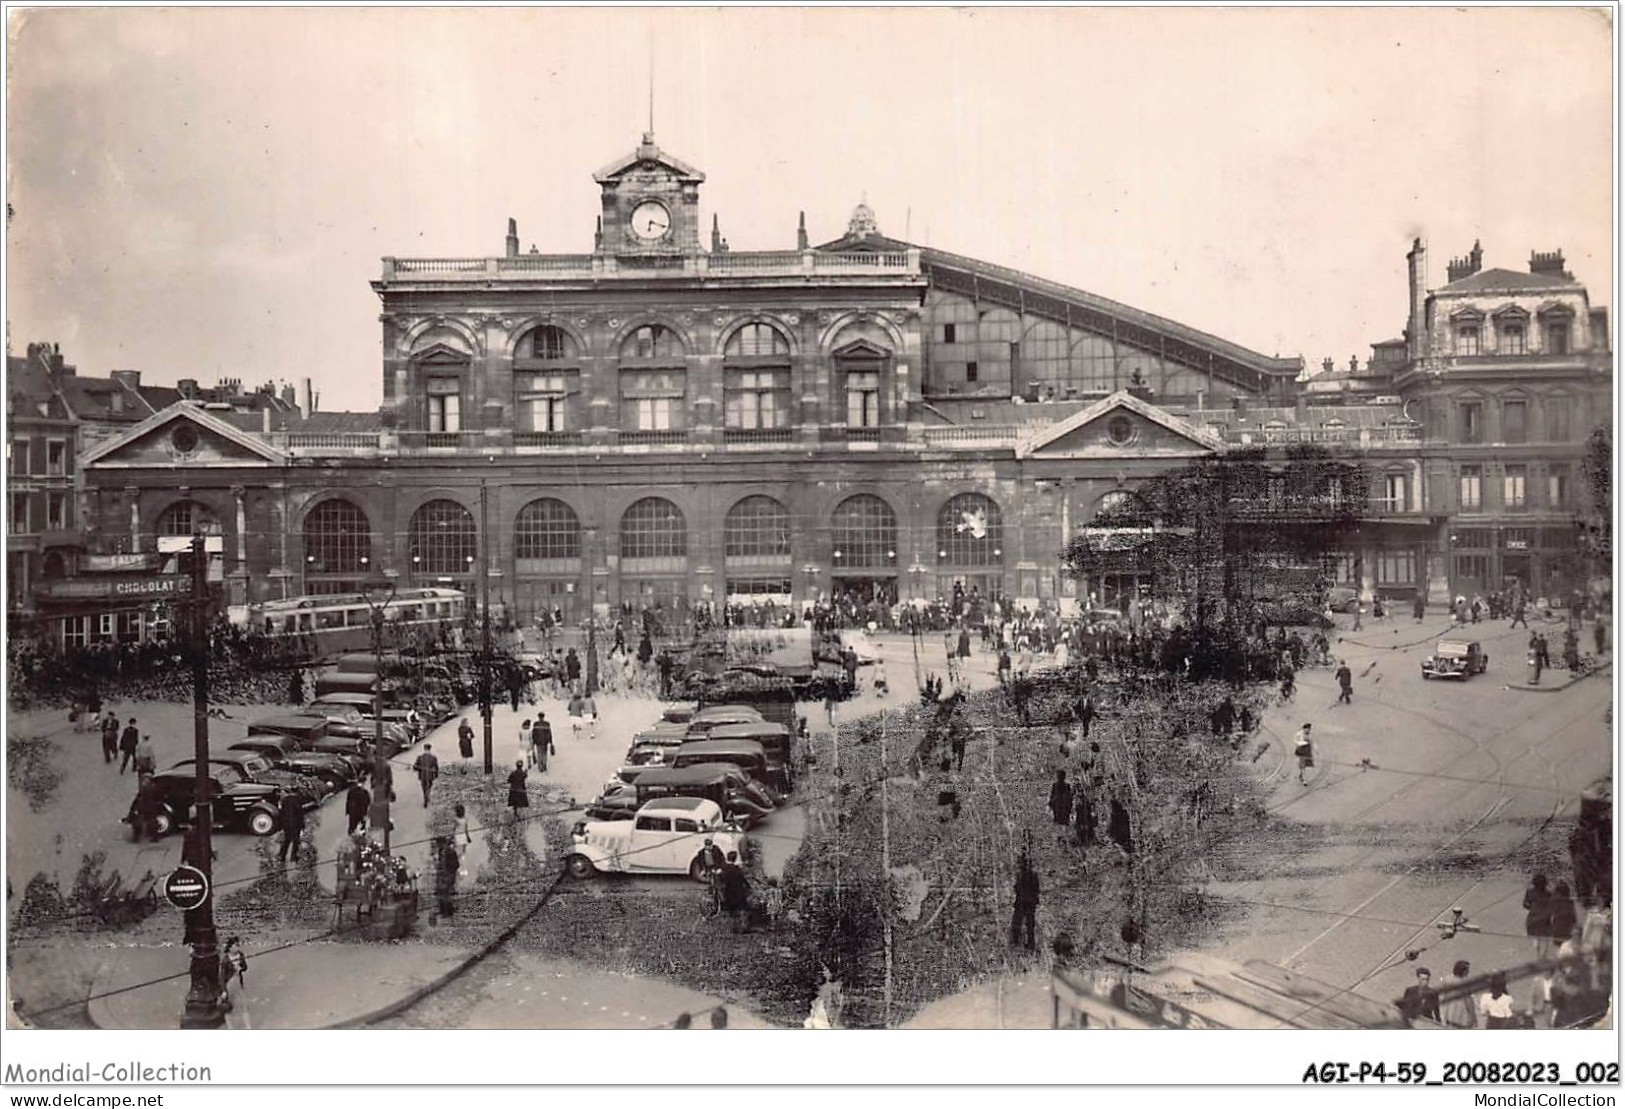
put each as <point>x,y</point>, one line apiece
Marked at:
<point>335,623</point>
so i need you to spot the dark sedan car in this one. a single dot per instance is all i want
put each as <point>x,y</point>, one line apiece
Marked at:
<point>334,771</point>
<point>253,767</point>
<point>240,805</point>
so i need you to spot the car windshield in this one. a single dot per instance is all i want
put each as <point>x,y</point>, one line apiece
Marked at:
<point>228,776</point>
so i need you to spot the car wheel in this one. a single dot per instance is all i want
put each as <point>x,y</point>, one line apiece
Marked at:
<point>332,783</point>
<point>163,823</point>
<point>581,867</point>
<point>261,822</point>
<point>696,869</point>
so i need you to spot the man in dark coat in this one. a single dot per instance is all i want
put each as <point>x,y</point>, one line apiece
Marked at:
<point>1119,828</point>
<point>1060,799</point>
<point>958,736</point>
<point>291,813</point>
<point>357,803</point>
<point>712,860</point>
<point>1419,607</point>
<point>1083,815</point>
<point>1345,684</point>
<point>428,769</point>
<point>1084,712</point>
<point>110,736</point>
<point>127,743</point>
<point>646,649</point>
<point>447,864</point>
<point>1025,916</point>
<point>541,741</point>
<point>735,892</point>
<point>572,667</point>
<point>1420,1000</point>
<point>144,812</point>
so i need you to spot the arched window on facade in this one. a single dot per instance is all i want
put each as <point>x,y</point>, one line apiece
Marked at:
<point>546,530</point>
<point>756,364</point>
<point>338,547</point>
<point>442,539</point>
<point>970,532</point>
<point>756,550</point>
<point>864,533</point>
<point>546,383</point>
<point>654,528</point>
<point>187,518</point>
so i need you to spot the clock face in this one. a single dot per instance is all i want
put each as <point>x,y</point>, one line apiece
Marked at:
<point>650,220</point>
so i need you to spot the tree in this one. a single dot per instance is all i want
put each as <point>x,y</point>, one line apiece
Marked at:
<point>1597,527</point>
<point>1223,536</point>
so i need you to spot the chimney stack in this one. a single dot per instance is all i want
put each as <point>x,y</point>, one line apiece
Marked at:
<point>598,235</point>
<point>288,396</point>
<point>801,232</point>
<point>1327,365</point>
<point>1550,264</point>
<point>310,401</point>
<point>265,419</point>
<point>129,379</point>
<point>1466,267</point>
<point>1416,262</point>
<point>187,387</point>
<point>513,238</point>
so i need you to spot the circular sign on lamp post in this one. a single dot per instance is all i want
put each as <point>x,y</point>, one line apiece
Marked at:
<point>186,887</point>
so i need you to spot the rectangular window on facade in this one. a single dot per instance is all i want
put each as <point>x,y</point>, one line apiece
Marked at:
<point>19,458</point>
<point>863,398</point>
<point>1557,338</point>
<point>56,458</point>
<point>1396,568</point>
<point>1514,421</point>
<point>76,631</point>
<point>1472,422</point>
<point>971,371</point>
<point>1395,490</point>
<point>1557,487</point>
<point>541,399</point>
<point>1511,338</point>
<point>105,625</point>
<point>1472,567</point>
<point>1513,490</point>
<point>1558,416</point>
<point>445,404</point>
<point>652,400</point>
<point>1472,488</point>
<point>129,627</point>
<point>757,399</point>
<point>19,514</point>
<point>1467,340</point>
<point>56,511</point>
<point>948,333</point>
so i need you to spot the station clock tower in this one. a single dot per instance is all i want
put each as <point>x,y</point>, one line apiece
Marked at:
<point>650,204</point>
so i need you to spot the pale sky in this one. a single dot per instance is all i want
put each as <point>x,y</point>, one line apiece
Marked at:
<point>206,192</point>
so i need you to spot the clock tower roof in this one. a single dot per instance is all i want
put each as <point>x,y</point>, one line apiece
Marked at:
<point>648,154</point>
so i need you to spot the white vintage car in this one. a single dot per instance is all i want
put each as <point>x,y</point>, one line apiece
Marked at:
<point>665,837</point>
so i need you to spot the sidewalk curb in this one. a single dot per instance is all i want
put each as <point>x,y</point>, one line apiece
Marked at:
<point>1600,668</point>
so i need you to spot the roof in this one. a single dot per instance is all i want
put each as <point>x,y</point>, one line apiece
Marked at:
<point>184,410</point>
<point>723,747</point>
<point>688,804</point>
<point>647,151</point>
<point>1315,416</point>
<point>745,731</point>
<point>323,422</point>
<point>1500,280</point>
<point>698,774</point>
<point>1187,429</point>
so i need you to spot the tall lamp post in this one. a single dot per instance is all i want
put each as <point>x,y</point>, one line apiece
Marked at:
<point>378,592</point>
<point>203,999</point>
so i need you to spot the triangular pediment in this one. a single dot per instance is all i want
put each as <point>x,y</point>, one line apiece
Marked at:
<point>862,348</point>
<point>441,354</point>
<point>1120,426</point>
<point>184,434</point>
<point>648,158</point>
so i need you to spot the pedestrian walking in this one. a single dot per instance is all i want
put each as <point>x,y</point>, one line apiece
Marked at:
<point>465,742</point>
<point>1518,617</point>
<point>1345,683</point>
<point>1119,827</point>
<point>1562,915</point>
<point>447,863</point>
<point>518,795</point>
<point>128,741</point>
<point>1024,918</point>
<point>233,980</point>
<point>146,760</point>
<point>583,714</point>
<point>1420,1000</point>
<point>1083,711</point>
<point>572,667</point>
<point>428,769</point>
<point>1497,1006</point>
<point>735,893</point>
<point>110,736</point>
<point>1004,666</point>
<point>459,824</point>
<point>1419,607</point>
<point>1083,815</point>
<point>357,803</point>
<point>541,743</point>
<point>524,741</point>
<point>1458,1010</point>
<point>144,813</point>
<point>1305,752</point>
<point>1537,921</point>
<point>1060,800</point>
<point>291,819</point>
<point>1599,633</point>
<point>958,738</point>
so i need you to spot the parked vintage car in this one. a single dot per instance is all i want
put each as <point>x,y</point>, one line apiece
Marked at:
<point>1455,658</point>
<point>717,716</point>
<point>741,799</point>
<point>253,767</point>
<point>1341,598</point>
<point>664,837</point>
<point>240,805</point>
<point>776,742</point>
<point>334,771</point>
<point>746,754</point>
